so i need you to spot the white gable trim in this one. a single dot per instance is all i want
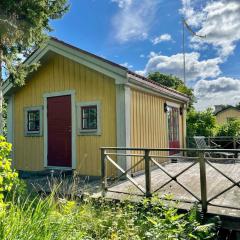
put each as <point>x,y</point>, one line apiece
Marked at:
<point>120,75</point>
<point>115,72</point>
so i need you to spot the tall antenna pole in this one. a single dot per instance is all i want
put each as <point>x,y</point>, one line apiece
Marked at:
<point>184,24</point>
<point>183,49</point>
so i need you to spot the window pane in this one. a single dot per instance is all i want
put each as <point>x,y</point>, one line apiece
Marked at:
<point>85,113</point>
<point>89,117</point>
<point>85,125</point>
<point>33,118</point>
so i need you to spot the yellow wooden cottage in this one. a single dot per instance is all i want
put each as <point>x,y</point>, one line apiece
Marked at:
<point>77,102</point>
<point>224,115</point>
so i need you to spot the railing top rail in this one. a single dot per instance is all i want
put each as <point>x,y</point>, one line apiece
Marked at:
<point>219,137</point>
<point>170,149</point>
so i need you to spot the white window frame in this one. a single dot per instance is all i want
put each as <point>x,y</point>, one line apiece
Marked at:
<point>82,131</point>
<point>33,133</point>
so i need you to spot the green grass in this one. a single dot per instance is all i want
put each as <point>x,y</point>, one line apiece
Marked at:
<point>53,218</point>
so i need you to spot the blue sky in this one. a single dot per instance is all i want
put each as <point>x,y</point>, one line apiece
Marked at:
<point>146,36</point>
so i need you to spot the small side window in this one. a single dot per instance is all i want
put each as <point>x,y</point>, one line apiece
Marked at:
<point>88,116</point>
<point>33,121</point>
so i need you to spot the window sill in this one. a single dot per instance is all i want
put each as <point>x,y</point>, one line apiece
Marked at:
<point>33,134</point>
<point>89,132</point>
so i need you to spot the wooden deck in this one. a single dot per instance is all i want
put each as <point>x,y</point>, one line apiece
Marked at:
<point>216,183</point>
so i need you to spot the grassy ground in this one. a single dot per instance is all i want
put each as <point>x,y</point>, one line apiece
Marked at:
<point>53,217</point>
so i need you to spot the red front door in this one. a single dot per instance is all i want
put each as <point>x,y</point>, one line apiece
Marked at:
<point>59,125</point>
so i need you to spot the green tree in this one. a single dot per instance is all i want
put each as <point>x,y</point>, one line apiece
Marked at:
<point>237,105</point>
<point>175,83</point>
<point>166,80</point>
<point>201,123</point>
<point>230,128</point>
<point>23,28</point>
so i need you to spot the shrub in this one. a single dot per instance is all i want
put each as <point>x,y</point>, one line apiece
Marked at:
<point>7,176</point>
<point>231,128</point>
<point>201,123</point>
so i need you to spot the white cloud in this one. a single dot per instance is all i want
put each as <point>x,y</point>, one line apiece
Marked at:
<point>127,65</point>
<point>218,20</point>
<point>195,68</point>
<point>142,56</point>
<point>223,90</point>
<point>123,3</point>
<point>134,19</point>
<point>162,38</point>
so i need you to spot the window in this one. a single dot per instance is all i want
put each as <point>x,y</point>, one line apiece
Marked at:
<point>33,121</point>
<point>88,114</point>
<point>89,117</point>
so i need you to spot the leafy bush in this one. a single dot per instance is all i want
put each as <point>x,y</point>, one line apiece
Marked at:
<point>201,123</point>
<point>48,218</point>
<point>7,176</point>
<point>231,128</point>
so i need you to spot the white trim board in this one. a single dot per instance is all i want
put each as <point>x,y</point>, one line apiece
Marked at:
<point>45,131</point>
<point>123,108</point>
<point>115,72</point>
<point>151,88</point>
<point>172,104</point>
<point>10,119</point>
<point>10,124</point>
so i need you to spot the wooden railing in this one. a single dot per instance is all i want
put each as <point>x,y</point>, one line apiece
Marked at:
<point>225,142</point>
<point>153,161</point>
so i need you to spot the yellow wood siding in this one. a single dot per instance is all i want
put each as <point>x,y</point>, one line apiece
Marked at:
<point>223,116</point>
<point>149,123</point>
<point>61,74</point>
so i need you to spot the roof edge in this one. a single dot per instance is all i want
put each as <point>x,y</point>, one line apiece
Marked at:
<point>158,87</point>
<point>227,108</point>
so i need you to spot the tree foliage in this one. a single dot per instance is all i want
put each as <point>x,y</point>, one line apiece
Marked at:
<point>201,123</point>
<point>166,80</point>
<point>175,83</point>
<point>23,28</point>
<point>7,175</point>
<point>230,128</point>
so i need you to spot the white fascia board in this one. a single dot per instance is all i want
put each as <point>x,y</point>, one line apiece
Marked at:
<point>32,59</point>
<point>158,91</point>
<point>6,87</point>
<point>120,75</point>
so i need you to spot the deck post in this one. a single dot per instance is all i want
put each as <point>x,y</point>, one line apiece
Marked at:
<point>103,172</point>
<point>209,141</point>
<point>203,182</point>
<point>235,146</point>
<point>147,160</point>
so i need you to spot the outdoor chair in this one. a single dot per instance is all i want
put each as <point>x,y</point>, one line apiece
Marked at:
<point>201,144</point>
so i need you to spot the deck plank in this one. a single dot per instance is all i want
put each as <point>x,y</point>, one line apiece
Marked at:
<point>190,179</point>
